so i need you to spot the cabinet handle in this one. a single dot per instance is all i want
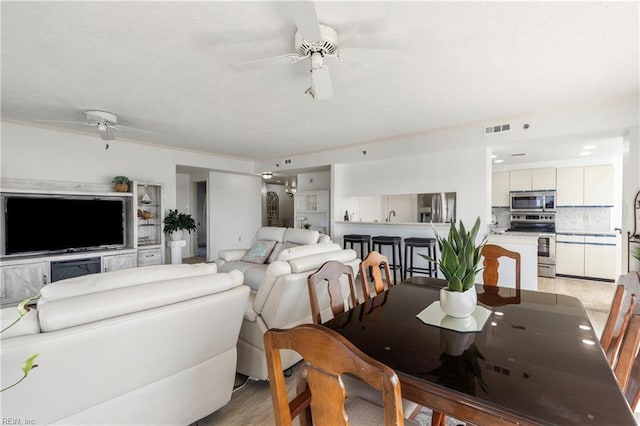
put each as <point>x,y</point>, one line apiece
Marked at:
<point>44,279</point>
<point>106,269</point>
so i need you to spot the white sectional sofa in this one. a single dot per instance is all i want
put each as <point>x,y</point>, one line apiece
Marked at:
<point>151,345</point>
<point>283,238</point>
<point>282,301</point>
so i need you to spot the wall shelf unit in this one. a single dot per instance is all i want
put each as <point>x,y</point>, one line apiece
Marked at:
<point>147,214</point>
<point>312,207</point>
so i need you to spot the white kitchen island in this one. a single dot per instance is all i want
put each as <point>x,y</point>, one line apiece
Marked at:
<point>526,245</point>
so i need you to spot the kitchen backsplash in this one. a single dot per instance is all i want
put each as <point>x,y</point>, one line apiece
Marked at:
<point>583,218</point>
<point>567,218</point>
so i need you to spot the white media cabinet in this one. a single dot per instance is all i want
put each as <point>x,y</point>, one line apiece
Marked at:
<point>24,276</point>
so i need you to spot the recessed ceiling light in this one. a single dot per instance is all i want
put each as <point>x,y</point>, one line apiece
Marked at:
<point>583,153</point>
<point>498,161</point>
<point>589,147</point>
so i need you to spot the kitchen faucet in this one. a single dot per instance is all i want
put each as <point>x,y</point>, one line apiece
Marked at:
<point>389,216</point>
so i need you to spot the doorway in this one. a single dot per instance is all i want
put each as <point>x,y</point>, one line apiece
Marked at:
<point>201,219</point>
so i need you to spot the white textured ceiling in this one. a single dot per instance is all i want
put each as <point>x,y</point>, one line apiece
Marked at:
<point>166,67</point>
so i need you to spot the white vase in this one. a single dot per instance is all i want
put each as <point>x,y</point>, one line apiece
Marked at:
<point>177,235</point>
<point>458,304</point>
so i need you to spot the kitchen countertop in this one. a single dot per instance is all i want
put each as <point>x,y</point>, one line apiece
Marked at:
<point>592,233</point>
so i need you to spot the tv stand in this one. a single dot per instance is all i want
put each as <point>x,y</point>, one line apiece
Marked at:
<point>24,277</point>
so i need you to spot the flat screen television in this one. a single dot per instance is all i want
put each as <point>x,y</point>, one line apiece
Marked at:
<point>52,224</point>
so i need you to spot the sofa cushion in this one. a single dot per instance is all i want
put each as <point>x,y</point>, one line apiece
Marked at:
<point>93,283</point>
<point>259,251</point>
<point>306,250</point>
<point>86,308</point>
<point>278,248</point>
<point>301,236</point>
<point>270,233</point>
<point>314,261</point>
<point>254,276</point>
<point>28,324</point>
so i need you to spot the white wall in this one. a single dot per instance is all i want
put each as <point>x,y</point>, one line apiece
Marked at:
<point>313,181</point>
<point>464,172</point>
<point>183,204</point>
<point>630,186</point>
<point>235,211</point>
<point>35,153</point>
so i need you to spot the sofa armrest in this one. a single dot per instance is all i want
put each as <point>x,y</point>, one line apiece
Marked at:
<point>231,255</point>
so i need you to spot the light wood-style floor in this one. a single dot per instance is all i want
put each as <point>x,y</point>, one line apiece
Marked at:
<point>251,403</point>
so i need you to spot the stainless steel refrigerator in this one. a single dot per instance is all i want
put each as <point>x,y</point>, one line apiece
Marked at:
<point>437,207</point>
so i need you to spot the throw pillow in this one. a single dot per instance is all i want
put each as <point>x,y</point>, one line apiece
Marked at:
<point>259,251</point>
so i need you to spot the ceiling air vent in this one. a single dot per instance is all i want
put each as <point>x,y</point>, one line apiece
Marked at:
<point>498,128</point>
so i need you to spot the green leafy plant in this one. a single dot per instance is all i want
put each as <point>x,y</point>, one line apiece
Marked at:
<point>120,179</point>
<point>175,221</point>
<point>29,363</point>
<point>459,256</point>
<point>306,225</point>
<point>636,253</point>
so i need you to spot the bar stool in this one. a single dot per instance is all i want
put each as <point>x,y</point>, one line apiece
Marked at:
<point>419,242</point>
<point>395,263</point>
<point>361,239</point>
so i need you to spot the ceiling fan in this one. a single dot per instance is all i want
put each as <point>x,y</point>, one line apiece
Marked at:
<point>103,121</point>
<point>315,42</point>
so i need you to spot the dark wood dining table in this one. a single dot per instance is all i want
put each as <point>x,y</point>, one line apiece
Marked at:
<point>536,360</point>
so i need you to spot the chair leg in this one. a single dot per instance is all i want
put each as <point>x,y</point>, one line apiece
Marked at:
<point>437,419</point>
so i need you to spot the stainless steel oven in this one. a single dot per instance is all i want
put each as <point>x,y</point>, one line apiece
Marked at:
<point>543,224</point>
<point>533,201</point>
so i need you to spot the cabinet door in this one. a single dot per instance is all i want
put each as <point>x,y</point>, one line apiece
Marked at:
<point>543,178</point>
<point>598,185</point>
<point>22,281</point>
<point>322,202</point>
<point>500,189</point>
<point>150,257</point>
<point>570,255</point>
<point>600,257</point>
<point>520,180</point>
<point>570,184</point>
<point>117,262</point>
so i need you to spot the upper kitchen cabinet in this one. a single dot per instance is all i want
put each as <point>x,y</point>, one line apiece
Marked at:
<point>532,179</point>
<point>598,185</point>
<point>500,189</point>
<point>585,186</point>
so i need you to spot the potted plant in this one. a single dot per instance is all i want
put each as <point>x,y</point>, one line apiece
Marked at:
<point>306,225</point>
<point>121,183</point>
<point>175,223</point>
<point>459,260</point>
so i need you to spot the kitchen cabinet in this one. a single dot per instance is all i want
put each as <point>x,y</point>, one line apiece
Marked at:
<point>532,179</point>
<point>116,262</point>
<point>585,186</point>
<point>589,256</point>
<point>149,256</point>
<point>598,185</point>
<point>570,255</point>
<point>18,282</point>
<point>500,189</point>
<point>312,207</point>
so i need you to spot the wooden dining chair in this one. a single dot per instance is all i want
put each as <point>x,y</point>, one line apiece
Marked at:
<point>331,272</point>
<point>374,262</point>
<point>321,400</point>
<point>491,254</point>
<point>617,322</point>
<point>627,369</point>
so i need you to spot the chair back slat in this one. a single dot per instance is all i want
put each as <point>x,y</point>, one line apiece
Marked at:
<point>491,263</point>
<point>331,273</point>
<point>374,262</point>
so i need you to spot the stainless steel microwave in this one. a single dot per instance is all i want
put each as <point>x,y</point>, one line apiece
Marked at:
<point>533,201</point>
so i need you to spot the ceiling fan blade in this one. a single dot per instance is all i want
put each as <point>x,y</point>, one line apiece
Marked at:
<point>120,127</point>
<point>65,122</point>
<point>267,62</point>
<point>360,54</point>
<point>106,135</point>
<point>306,19</point>
<point>321,83</point>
